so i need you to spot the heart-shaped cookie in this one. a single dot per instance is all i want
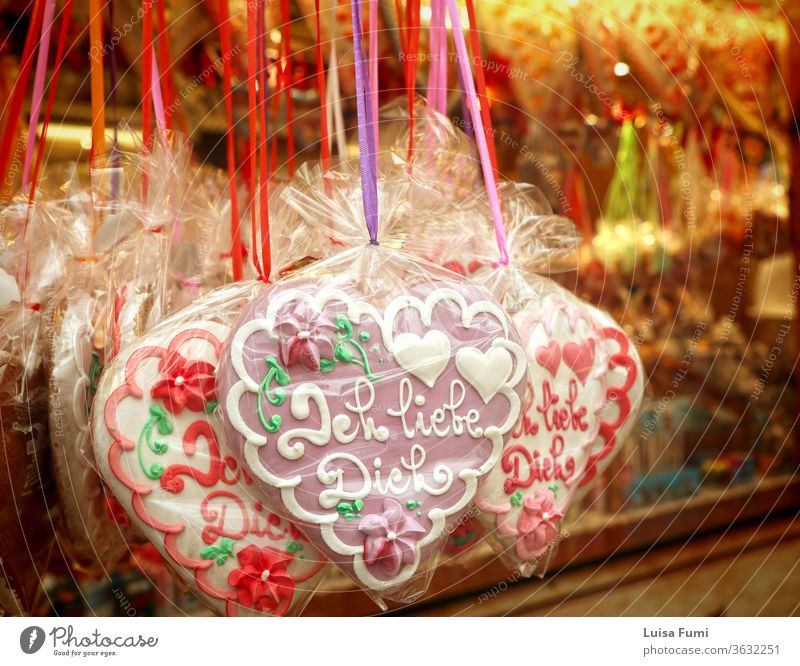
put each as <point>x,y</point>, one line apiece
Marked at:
<point>584,383</point>
<point>371,424</point>
<point>158,447</point>
<point>73,365</point>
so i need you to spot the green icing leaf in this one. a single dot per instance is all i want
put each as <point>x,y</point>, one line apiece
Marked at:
<point>343,353</point>
<point>274,396</point>
<point>344,326</point>
<point>160,446</point>
<point>516,499</point>
<point>350,511</point>
<point>211,405</point>
<point>327,364</point>
<point>273,423</point>
<point>294,547</point>
<point>220,553</point>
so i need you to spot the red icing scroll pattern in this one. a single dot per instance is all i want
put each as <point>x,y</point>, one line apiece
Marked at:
<point>199,482</point>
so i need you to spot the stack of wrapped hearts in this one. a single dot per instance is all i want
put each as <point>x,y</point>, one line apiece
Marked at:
<point>352,412</point>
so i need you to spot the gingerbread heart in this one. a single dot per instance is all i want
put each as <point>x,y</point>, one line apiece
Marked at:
<point>584,384</point>
<point>370,424</point>
<point>74,364</point>
<point>159,448</point>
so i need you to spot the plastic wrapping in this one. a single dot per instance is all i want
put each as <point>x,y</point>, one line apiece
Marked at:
<point>442,156</point>
<point>368,395</point>
<point>74,324</point>
<point>159,448</point>
<point>437,216</point>
<point>138,202</point>
<point>113,292</point>
<point>26,486</point>
<point>584,388</point>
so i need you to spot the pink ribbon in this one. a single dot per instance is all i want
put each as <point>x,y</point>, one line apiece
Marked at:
<point>38,87</point>
<point>480,136</point>
<point>158,100</point>
<point>437,72</point>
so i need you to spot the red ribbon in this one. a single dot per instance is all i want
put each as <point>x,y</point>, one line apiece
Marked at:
<point>227,75</point>
<point>20,86</point>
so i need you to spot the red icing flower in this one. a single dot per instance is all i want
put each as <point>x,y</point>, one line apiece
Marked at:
<point>305,337</point>
<point>263,582</point>
<point>184,383</point>
<point>538,524</point>
<point>390,538</point>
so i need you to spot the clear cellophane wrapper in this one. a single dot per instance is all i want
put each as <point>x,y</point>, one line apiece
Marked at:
<point>114,291</point>
<point>75,328</point>
<point>332,379</point>
<point>433,149</point>
<point>440,211</point>
<point>26,487</point>
<point>584,385</point>
<point>598,367</point>
<point>440,168</point>
<point>583,391</point>
<point>158,443</point>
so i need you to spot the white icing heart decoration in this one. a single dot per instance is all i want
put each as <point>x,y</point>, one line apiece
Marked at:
<point>487,371</point>
<point>158,447</point>
<point>425,358</point>
<point>585,384</point>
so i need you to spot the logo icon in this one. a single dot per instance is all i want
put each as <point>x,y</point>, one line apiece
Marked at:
<point>31,639</point>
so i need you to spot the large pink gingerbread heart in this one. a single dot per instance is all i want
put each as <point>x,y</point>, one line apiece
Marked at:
<point>371,425</point>
<point>158,449</point>
<point>584,385</point>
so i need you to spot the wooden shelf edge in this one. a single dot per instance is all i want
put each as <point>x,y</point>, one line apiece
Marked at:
<point>594,540</point>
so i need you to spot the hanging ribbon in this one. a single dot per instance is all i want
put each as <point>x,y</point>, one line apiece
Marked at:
<point>158,98</point>
<point>480,80</point>
<point>287,67</point>
<point>263,171</point>
<point>147,71</point>
<point>253,7</point>
<point>325,146</point>
<point>411,65</point>
<point>437,72</point>
<point>366,137</point>
<point>256,97</point>
<point>38,87</point>
<point>97,86</point>
<point>230,138</point>
<point>20,86</point>
<point>112,70</point>
<point>62,41</point>
<point>373,65</point>
<point>167,78</point>
<point>480,133</point>
<point>335,113</point>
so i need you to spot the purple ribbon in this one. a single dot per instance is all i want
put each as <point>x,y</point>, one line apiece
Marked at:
<point>366,133</point>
